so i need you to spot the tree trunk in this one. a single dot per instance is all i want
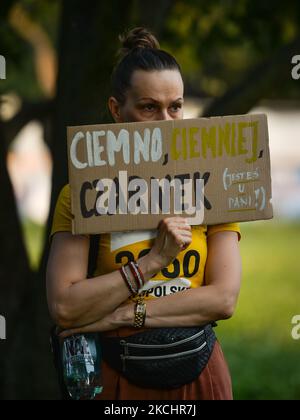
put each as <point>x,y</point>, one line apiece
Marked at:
<point>88,42</point>
<point>16,285</point>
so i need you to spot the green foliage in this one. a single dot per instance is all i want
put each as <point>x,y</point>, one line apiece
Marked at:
<point>21,74</point>
<point>218,42</point>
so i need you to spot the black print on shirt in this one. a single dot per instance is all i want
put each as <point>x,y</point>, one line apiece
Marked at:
<point>191,263</point>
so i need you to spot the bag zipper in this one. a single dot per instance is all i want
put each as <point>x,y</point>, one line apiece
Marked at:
<point>160,346</point>
<point>125,357</point>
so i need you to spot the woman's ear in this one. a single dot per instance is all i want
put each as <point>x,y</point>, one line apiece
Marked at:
<point>115,109</point>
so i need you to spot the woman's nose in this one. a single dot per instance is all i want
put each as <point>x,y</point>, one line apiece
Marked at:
<point>164,115</point>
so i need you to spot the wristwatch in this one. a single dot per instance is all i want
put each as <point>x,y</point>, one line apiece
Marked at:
<point>140,314</point>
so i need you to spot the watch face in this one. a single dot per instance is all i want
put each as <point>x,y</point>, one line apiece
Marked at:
<point>140,308</point>
<point>140,315</point>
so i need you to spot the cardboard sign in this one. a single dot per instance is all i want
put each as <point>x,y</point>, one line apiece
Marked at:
<point>128,177</point>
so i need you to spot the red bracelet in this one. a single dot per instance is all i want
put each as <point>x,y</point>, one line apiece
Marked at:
<point>132,279</point>
<point>133,291</point>
<point>138,275</point>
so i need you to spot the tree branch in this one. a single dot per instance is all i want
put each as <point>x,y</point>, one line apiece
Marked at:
<point>257,83</point>
<point>28,112</point>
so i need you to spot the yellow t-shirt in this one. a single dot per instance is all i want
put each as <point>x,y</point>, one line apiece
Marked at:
<point>116,249</point>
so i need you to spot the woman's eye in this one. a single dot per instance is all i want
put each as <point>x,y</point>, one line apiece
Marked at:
<point>176,108</point>
<point>149,107</point>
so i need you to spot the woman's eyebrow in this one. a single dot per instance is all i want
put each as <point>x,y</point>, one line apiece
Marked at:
<point>154,100</point>
<point>148,99</point>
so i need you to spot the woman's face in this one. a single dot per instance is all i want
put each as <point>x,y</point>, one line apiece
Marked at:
<point>153,96</point>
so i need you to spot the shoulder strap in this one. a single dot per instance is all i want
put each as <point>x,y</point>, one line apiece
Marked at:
<point>93,254</point>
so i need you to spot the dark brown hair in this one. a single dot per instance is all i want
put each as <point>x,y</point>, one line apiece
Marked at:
<point>140,51</point>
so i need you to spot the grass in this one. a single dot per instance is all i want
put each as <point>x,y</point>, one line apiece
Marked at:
<point>34,241</point>
<point>263,358</point>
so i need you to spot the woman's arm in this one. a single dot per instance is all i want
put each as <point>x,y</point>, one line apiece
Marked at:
<point>75,301</point>
<point>213,302</point>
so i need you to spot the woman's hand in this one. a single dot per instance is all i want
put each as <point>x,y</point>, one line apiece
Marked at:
<point>174,235</point>
<point>121,317</point>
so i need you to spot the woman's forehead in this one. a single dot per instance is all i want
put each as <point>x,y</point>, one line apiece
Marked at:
<point>158,85</point>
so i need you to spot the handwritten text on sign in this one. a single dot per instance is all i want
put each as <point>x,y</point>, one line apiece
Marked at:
<point>133,174</point>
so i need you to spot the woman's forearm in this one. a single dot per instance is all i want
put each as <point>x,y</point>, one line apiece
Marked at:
<point>194,307</point>
<point>213,302</point>
<point>90,300</point>
<point>76,302</point>
<point>191,307</point>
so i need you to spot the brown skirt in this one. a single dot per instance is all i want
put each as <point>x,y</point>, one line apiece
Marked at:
<point>214,383</point>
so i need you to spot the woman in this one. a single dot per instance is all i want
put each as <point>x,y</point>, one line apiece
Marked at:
<point>168,264</point>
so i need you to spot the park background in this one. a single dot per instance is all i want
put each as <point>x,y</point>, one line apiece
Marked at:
<point>236,58</point>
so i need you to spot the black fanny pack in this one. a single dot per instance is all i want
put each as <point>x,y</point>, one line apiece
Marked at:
<point>162,358</point>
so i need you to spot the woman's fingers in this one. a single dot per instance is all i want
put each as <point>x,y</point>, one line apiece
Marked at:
<point>167,225</point>
<point>180,235</point>
<point>67,333</point>
<point>176,241</point>
<point>174,220</point>
<point>96,327</point>
<point>176,230</point>
<point>184,241</point>
<point>174,235</point>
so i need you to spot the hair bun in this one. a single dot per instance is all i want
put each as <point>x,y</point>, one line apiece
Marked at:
<point>137,38</point>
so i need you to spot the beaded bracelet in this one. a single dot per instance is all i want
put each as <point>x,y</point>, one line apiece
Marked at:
<point>137,274</point>
<point>133,290</point>
<point>138,281</point>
